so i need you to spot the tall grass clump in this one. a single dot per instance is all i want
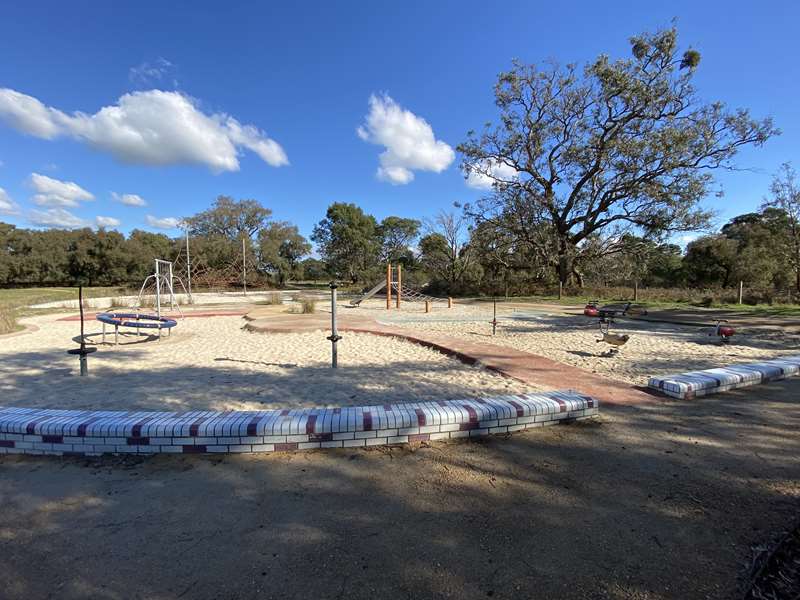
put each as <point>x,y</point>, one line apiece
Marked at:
<point>8,319</point>
<point>308,306</point>
<point>273,298</point>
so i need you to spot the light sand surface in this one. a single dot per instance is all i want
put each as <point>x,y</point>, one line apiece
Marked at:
<point>654,349</point>
<point>212,364</point>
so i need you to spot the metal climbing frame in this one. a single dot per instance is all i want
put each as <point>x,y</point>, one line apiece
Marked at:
<point>163,282</point>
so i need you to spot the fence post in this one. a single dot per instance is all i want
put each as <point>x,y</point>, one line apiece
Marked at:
<point>636,291</point>
<point>741,291</point>
<point>560,289</point>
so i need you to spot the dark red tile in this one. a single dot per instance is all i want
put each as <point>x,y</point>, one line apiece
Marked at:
<point>286,446</point>
<point>194,449</point>
<point>311,423</point>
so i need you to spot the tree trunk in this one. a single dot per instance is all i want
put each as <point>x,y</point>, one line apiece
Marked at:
<point>564,262</point>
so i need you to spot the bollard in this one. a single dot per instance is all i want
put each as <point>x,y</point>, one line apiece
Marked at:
<point>427,306</point>
<point>334,337</point>
<point>449,302</point>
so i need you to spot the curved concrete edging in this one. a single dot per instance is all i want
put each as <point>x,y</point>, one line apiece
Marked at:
<point>688,386</point>
<point>82,432</point>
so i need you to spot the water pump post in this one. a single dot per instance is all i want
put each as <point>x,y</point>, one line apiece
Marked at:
<point>334,337</point>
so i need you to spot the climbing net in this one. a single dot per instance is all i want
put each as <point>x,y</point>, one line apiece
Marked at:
<point>411,295</point>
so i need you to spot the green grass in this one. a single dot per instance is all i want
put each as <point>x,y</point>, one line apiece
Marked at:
<point>20,297</point>
<point>15,303</point>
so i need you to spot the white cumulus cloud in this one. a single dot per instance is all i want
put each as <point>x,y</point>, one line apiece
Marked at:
<point>56,217</point>
<point>129,199</point>
<point>482,175</point>
<point>163,223</point>
<point>106,221</point>
<point>54,192</point>
<point>409,141</point>
<point>7,205</point>
<point>149,128</point>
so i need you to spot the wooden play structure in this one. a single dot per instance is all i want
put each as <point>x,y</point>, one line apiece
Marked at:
<point>393,284</point>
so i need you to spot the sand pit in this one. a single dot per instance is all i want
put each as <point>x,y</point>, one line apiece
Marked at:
<point>212,364</point>
<point>654,349</point>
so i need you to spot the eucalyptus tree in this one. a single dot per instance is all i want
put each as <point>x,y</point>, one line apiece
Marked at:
<point>786,198</point>
<point>347,240</point>
<point>230,218</point>
<point>616,146</point>
<point>281,247</point>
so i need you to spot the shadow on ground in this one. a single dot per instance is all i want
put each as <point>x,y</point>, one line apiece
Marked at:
<point>226,385</point>
<point>650,501</point>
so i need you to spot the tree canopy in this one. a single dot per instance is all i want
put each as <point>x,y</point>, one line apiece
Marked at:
<point>617,145</point>
<point>230,219</point>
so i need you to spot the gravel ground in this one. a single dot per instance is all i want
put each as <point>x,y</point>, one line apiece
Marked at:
<point>664,500</point>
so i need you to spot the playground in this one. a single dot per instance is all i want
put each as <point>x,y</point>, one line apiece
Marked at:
<point>401,346</point>
<point>633,487</point>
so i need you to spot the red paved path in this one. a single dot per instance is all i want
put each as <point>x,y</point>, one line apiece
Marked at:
<point>522,366</point>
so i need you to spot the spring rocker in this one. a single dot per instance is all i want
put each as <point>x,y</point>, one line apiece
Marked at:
<point>605,318</point>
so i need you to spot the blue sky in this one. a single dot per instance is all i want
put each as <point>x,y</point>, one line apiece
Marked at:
<point>303,75</point>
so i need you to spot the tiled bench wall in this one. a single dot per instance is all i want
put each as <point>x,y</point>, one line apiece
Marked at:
<point>82,432</point>
<point>710,381</point>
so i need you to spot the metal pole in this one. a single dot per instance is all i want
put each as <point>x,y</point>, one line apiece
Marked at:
<point>158,295</point>
<point>82,355</point>
<point>172,302</point>
<point>158,289</point>
<point>334,337</point>
<point>244,268</point>
<point>189,267</point>
<point>494,317</point>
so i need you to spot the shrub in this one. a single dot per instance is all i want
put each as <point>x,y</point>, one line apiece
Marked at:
<point>308,306</point>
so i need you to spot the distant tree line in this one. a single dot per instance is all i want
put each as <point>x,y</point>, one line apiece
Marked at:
<point>272,251</point>
<point>451,254</point>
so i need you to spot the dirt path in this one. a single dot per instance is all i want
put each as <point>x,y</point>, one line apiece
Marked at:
<point>660,500</point>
